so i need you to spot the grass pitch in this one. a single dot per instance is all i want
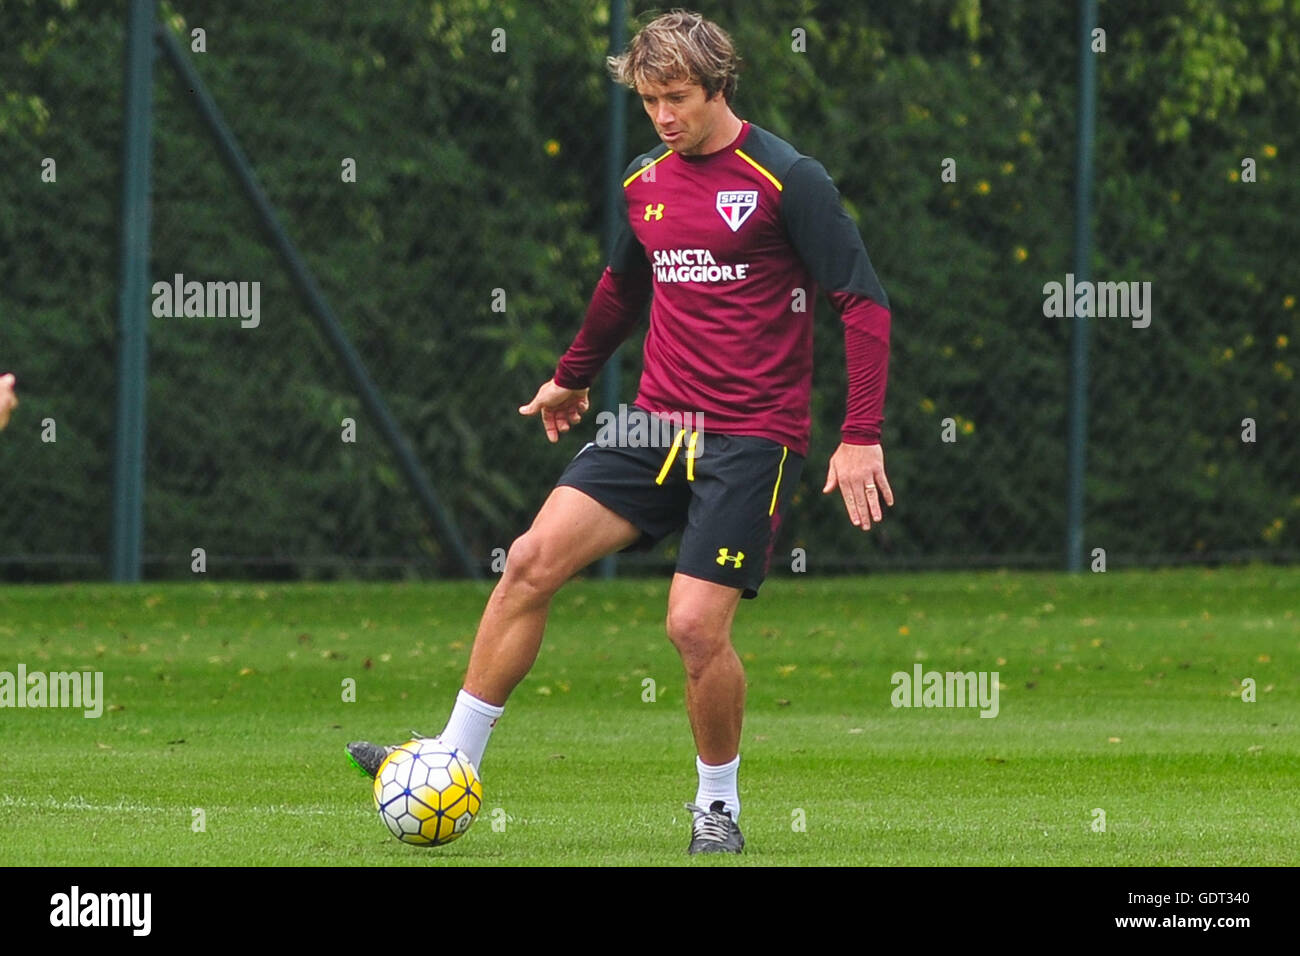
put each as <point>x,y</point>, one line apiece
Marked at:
<point>1121,692</point>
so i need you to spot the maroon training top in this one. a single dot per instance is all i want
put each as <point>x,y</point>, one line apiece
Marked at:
<point>735,245</point>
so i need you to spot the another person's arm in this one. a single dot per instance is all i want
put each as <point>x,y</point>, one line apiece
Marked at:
<point>8,400</point>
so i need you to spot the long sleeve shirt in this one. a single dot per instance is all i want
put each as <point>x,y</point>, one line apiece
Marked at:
<point>732,247</point>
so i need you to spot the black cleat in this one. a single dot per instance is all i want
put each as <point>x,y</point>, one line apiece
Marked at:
<point>713,830</point>
<point>367,757</point>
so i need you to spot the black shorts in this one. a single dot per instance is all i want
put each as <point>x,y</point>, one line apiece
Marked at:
<point>729,498</point>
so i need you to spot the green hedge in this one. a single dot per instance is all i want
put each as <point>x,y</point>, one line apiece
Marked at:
<point>481,171</point>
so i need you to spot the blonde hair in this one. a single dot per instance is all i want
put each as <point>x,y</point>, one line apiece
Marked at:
<point>680,45</point>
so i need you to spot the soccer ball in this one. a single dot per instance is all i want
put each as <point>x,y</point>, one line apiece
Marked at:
<point>427,793</point>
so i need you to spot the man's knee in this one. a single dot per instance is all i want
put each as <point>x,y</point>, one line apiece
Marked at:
<point>531,568</point>
<point>698,637</point>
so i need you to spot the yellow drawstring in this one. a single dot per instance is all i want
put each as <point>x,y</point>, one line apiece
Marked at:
<point>672,456</point>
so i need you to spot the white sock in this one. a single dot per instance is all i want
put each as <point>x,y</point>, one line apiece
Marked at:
<point>718,783</point>
<point>470,726</point>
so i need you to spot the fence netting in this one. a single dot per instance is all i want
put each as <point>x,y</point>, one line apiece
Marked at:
<point>439,166</point>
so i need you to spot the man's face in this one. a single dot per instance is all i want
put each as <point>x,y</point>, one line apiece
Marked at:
<point>680,108</point>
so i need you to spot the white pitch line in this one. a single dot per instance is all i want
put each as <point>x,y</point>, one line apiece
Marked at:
<point>50,803</point>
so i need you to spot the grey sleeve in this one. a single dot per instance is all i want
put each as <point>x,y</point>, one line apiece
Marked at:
<point>824,235</point>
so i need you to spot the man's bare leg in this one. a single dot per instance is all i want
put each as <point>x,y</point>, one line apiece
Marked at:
<point>570,532</point>
<point>700,614</point>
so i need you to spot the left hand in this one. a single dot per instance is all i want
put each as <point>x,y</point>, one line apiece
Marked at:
<point>859,472</point>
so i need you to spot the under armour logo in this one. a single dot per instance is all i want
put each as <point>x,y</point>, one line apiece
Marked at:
<point>652,210</point>
<point>724,557</point>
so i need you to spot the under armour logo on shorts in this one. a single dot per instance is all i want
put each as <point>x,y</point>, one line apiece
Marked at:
<point>724,557</point>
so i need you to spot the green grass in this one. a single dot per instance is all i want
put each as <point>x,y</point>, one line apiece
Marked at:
<point>1121,692</point>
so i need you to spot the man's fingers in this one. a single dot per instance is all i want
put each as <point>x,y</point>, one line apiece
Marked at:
<point>851,504</point>
<point>556,421</point>
<point>864,509</point>
<point>533,406</point>
<point>873,502</point>
<point>831,480</point>
<point>886,492</point>
<point>548,422</point>
<point>855,499</point>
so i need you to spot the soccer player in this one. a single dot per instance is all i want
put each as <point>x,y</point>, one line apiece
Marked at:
<point>732,230</point>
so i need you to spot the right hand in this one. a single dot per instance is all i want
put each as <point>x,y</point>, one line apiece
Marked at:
<point>561,408</point>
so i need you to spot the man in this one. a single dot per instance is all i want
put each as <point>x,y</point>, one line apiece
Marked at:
<point>733,230</point>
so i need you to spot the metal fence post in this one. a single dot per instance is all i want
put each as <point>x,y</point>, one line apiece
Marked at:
<point>616,145</point>
<point>1077,432</point>
<point>133,299</point>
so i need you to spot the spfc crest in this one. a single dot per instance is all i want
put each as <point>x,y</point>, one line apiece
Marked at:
<point>735,206</point>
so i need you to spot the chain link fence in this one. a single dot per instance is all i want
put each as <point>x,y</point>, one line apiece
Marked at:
<point>438,165</point>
